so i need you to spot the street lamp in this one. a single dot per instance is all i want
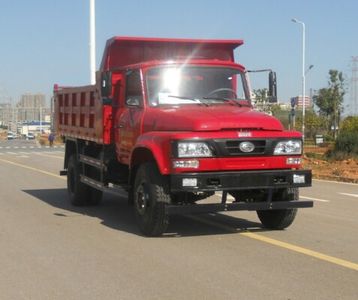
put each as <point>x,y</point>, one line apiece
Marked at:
<point>308,69</point>
<point>303,74</point>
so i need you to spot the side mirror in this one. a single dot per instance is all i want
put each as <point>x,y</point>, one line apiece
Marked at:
<point>106,84</point>
<point>272,87</point>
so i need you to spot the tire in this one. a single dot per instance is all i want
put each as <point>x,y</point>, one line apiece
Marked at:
<point>95,197</point>
<point>282,218</point>
<point>150,196</point>
<point>78,192</point>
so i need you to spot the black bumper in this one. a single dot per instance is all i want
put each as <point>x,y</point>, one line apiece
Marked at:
<point>243,180</point>
<point>220,207</point>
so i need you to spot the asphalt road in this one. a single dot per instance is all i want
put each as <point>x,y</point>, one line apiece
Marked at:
<point>51,250</point>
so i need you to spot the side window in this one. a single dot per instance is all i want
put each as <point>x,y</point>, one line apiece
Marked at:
<point>133,89</point>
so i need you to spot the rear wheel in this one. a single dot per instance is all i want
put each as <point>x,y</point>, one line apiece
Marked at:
<point>95,194</point>
<point>78,192</point>
<point>282,218</point>
<point>150,196</point>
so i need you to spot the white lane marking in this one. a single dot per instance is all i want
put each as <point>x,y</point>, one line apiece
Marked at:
<point>23,156</point>
<point>315,199</point>
<point>347,194</point>
<point>337,182</point>
<point>12,153</point>
<point>47,155</point>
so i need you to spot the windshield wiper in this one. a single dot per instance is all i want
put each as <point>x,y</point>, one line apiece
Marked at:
<point>185,98</point>
<point>217,98</point>
<point>238,102</point>
<point>244,102</point>
<point>188,98</point>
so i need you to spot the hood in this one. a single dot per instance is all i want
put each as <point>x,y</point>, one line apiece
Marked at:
<point>208,118</point>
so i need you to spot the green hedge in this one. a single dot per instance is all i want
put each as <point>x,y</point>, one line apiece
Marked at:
<point>350,124</point>
<point>346,144</point>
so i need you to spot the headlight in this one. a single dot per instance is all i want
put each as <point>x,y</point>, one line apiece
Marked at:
<point>193,149</point>
<point>288,147</point>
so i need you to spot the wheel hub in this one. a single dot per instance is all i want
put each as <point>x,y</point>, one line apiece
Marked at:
<point>142,200</point>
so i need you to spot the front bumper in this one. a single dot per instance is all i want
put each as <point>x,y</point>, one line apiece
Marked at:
<point>222,207</point>
<point>241,180</point>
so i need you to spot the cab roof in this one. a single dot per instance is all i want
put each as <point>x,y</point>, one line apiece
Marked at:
<point>124,51</point>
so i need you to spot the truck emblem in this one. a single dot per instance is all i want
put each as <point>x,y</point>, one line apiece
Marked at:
<point>246,147</point>
<point>244,134</point>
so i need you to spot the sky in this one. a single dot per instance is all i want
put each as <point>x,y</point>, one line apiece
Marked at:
<point>43,42</point>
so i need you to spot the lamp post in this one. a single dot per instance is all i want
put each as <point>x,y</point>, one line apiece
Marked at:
<point>40,119</point>
<point>92,43</point>
<point>303,74</point>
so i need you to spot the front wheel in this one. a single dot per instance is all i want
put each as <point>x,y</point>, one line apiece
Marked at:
<point>150,196</point>
<point>281,218</point>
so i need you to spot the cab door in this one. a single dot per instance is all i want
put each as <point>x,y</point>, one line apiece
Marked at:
<point>129,122</point>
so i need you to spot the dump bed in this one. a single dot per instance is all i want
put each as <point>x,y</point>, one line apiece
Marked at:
<point>79,113</point>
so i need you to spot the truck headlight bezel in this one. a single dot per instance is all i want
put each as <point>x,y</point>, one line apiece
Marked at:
<point>288,147</point>
<point>188,149</point>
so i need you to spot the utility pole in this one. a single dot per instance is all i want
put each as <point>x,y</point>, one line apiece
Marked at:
<point>354,86</point>
<point>92,43</point>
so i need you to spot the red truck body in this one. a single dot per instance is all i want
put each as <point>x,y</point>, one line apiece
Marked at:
<point>174,115</point>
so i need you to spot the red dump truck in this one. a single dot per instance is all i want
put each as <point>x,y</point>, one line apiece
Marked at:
<point>170,121</point>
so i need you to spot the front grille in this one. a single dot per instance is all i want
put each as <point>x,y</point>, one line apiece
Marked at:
<point>232,147</point>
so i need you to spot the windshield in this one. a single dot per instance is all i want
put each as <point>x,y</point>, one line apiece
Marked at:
<point>190,85</point>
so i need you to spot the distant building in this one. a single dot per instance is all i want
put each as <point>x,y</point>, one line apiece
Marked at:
<point>32,107</point>
<point>6,114</point>
<point>298,101</point>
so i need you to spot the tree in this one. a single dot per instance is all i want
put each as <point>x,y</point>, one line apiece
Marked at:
<point>275,109</point>
<point>260,96</point>
<point>350,124</point>
<point>314,124</point>
<point>330,100</point>
<point>261,100</point>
